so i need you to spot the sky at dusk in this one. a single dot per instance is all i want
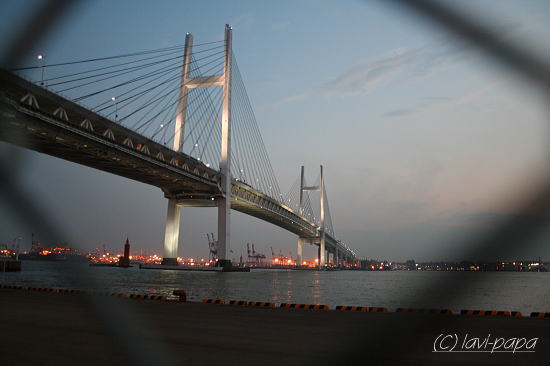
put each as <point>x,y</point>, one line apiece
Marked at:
<point>424,142</point>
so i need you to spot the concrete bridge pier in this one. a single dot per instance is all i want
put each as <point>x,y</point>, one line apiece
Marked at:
<point>331,257</point>
<point>322,253</point>
<point>300,248</point>
<point>299,251</point>
<point>172,233</point>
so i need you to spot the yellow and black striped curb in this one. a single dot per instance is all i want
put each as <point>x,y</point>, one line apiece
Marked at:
<point>485,312</point>
<point>146,297</point>
<point>42,289</point>
<point>353,308</point>
<point>283,305</point>
<point>540,315</point>
<point>213,301</point>
<point>238,302</point>
<point>261,304</point>
<point>73,291</point>
<point>69,291</point>
<point>304,306</point>
<point>11,287</point>
<point>115,295</point>
<point>427,311</point>
<point>378,310</point>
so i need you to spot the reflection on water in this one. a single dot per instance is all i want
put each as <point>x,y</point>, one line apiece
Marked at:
<point>316,291</point>
<point>523,292</point>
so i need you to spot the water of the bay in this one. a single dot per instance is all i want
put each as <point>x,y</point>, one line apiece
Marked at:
<point>514,291</point>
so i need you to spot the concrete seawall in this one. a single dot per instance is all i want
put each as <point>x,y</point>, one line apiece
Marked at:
<point>65,329</point>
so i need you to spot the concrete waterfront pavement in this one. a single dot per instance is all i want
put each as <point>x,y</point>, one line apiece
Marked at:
<point>62,329</point>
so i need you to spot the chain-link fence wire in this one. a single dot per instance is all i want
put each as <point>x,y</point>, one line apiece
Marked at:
<point>531,216</point>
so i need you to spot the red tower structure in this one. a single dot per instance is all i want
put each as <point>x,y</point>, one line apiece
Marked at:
<point>124,261</point>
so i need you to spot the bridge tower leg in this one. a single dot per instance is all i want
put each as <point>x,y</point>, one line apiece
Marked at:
<point>172,233</point>
<point>336,257</point>
<point>184,91</point>
<point>322,255</point>
<point>224,203</point>
<point>299,251</point>
<point>172,230</point>
<point>322,246</point>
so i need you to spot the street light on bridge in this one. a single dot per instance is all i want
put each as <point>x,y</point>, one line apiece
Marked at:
<point>40,57</point>
<point>116,107</point>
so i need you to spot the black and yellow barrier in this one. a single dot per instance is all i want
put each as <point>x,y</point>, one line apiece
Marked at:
<point>378,310</point>
<point>146,297</point>
<point>427,311</point>
<point>238,302</point>
<point>485,312</point>
<point>12,287</point>
<point>118,295</point>
<point>157,297</point>
<point>304,306</point>
<point>261,304</point>
<point>69,291</point>
<point>42,289</point>
<point>352,308</point>
<point>213,301</point>
<point>540,315</point>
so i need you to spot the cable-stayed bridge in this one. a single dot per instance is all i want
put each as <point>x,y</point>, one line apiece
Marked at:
<point>178,118</point>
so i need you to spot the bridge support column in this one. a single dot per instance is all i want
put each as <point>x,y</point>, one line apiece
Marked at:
<point>322,252</point>
<point>224,204</point>
<point>336,257</point>
<point>172,233</point>
<point>224,210</point>
<point>299,251</point>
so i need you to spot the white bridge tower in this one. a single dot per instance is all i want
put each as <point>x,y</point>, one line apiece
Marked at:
<point>172,231</point>
<point>322,256</point>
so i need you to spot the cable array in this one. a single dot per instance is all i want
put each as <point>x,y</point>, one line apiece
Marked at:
<point>139,90</point>
<point>308,208</point>
<point>329,228</point>
<point>142,91</point>
<point>254,166</point>
<point>292,200</point>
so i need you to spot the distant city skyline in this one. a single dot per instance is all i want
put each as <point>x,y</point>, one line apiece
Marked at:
<point>424,143</point>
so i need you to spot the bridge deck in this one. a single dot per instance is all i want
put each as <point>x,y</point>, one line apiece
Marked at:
<point>108,146</point>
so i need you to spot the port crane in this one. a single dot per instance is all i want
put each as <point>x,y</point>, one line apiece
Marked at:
<point>16,246</point>
<point>35,245</point>
<point>280,258</point>
<point>254,258</point>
